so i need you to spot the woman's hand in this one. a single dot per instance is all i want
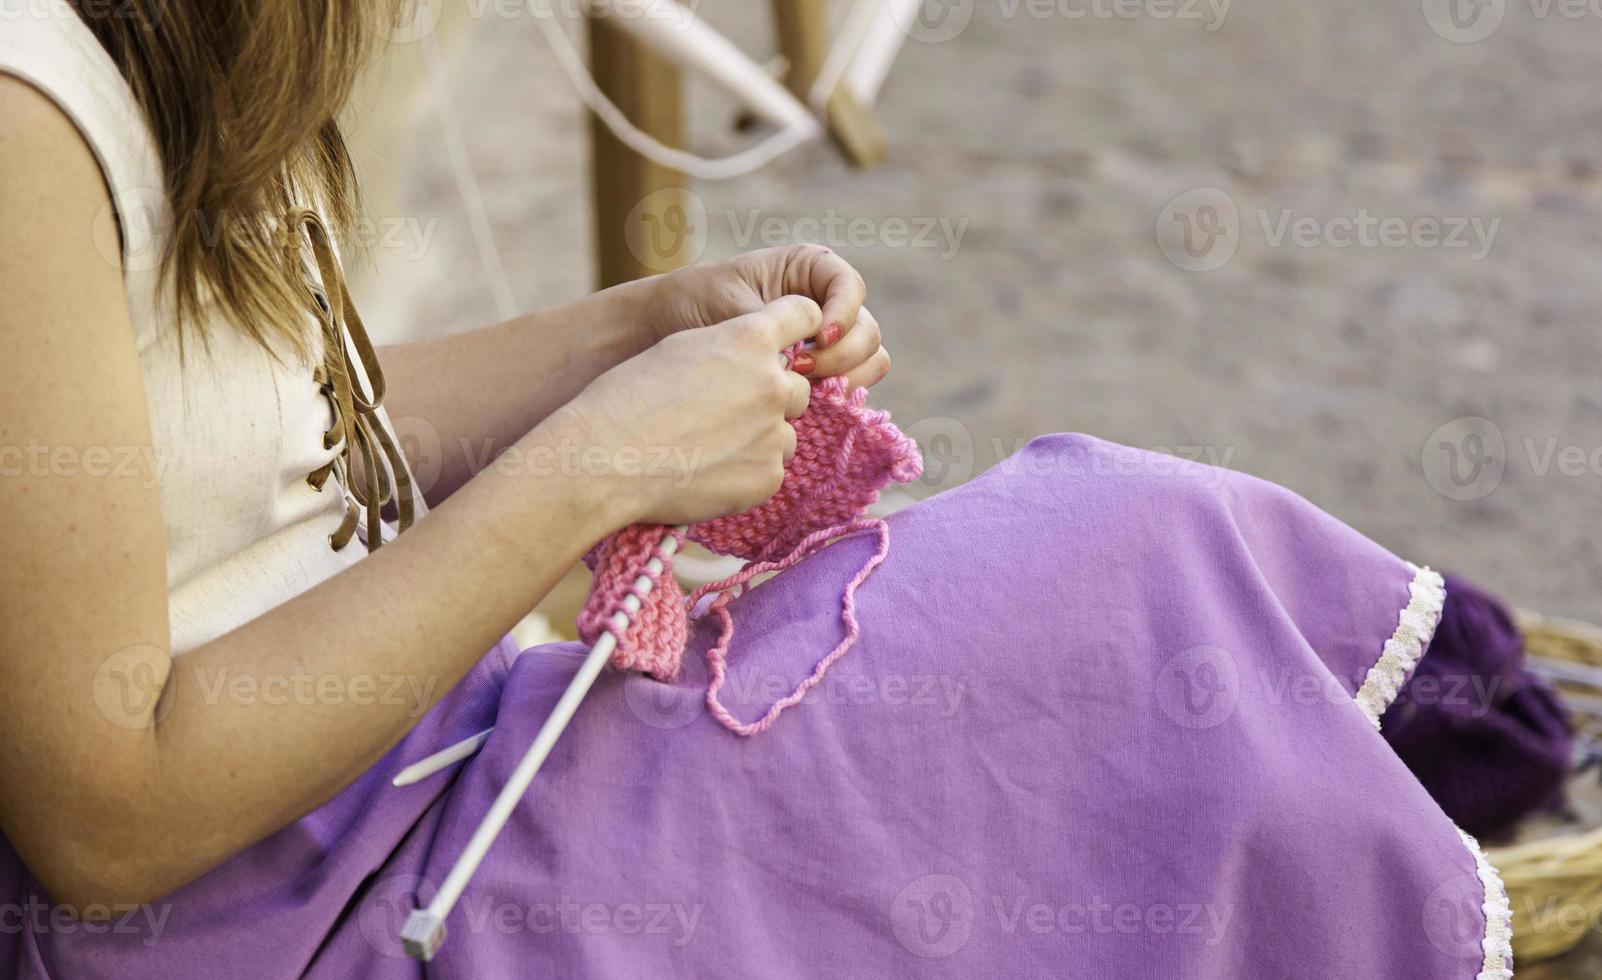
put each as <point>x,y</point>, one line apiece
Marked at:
<point>474,389</point>
<point>848,340</point>
<point>696,426</point>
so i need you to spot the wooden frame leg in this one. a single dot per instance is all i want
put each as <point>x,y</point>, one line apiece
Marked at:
<point>639,206</point>
<point>804,40</point>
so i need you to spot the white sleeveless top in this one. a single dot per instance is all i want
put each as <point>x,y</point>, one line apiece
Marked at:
<point>235,432</point>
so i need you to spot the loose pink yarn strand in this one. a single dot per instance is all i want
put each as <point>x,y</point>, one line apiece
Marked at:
<point>717,656</point>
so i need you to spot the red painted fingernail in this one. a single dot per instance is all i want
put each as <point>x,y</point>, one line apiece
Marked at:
<point>804,363</point>
<point>829,334</point>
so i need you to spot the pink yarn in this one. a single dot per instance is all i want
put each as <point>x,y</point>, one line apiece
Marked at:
<point>845,454</point>
<point>717,656</point>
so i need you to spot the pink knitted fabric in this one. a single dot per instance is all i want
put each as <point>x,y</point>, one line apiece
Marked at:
<point>654,640</point>
<point>845,454</point>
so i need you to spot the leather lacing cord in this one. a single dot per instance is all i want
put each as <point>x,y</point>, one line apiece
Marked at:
<point>357,426</point>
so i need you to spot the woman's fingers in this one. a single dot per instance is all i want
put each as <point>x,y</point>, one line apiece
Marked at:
<point>836,285</point>
<point>764,336</point>
<point>792,319</point>
<point>799,396</point>
<point>850,351</point>
<point>870,372</point>
<point>789,437</point>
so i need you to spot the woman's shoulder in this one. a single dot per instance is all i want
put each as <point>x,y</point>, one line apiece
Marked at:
<point>57,225</point>
<point>46,44</point>
<point>50,51</point>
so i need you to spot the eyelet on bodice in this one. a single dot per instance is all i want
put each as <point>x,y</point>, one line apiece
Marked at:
<point>349,362</point>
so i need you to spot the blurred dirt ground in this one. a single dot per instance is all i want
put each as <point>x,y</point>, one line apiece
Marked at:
<point>1054,143</point>
<point>1042,143</point>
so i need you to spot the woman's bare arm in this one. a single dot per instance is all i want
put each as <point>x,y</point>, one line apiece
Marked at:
<point>83,621</point>
<point>460,400</point>
<point>113,796</point>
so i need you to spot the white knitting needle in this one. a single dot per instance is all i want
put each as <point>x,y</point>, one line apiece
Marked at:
<point>424,931</point>
<point>424,768</point>
<point>452,754</point>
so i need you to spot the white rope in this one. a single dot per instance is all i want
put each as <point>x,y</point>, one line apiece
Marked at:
<point>835,64</point>
<point>648,146</point>
<point>723,168</point>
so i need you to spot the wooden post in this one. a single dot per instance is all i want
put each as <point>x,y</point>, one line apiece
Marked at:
<point>635,199</point>
<point>804,40</point>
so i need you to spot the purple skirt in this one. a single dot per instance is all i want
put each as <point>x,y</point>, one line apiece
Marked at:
<point>1111,715</point>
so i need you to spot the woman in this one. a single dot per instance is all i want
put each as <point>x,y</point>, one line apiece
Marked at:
<point>1074,737</point>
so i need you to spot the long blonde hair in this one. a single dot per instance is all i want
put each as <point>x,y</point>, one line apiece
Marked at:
<point>242,98</point>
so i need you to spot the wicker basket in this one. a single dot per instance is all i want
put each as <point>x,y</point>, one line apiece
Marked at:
<point>1555,883</point>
